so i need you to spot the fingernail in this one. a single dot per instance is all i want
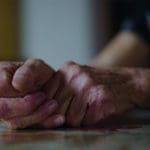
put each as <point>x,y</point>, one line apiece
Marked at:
<point>59,120</point>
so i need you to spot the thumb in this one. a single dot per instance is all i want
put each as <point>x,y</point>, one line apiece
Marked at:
<point>32,75</point>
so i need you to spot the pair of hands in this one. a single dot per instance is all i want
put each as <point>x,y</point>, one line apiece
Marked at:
<point>22,101</point>
<point>33,94</point>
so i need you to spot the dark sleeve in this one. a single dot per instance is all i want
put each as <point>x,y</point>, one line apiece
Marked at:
<point>139,25</point>
<point>139,22</point>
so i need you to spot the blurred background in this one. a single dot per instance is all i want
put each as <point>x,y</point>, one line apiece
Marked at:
<point>59,30</point>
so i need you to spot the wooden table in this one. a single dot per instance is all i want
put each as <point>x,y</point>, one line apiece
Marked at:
<point>133,138</point>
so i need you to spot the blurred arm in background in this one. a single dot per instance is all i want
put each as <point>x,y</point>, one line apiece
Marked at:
<point>130,47</point>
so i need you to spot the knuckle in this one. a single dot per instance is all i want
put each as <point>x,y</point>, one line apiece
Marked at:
<point>82,81</point>
<point>67,66</point>
<point>97,93</point>
<point>86,79</point>
<point>74,72</point>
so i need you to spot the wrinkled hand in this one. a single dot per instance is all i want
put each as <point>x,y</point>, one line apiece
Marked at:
<point>18,108</point>
<point>87,96</point>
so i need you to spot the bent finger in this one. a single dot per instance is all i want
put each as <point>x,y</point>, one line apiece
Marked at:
<point>76,111</point>
<point>53,85</point>
<point>14,107</point>
<point>41,114</point>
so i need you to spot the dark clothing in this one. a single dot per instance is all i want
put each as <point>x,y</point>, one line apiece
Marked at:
<point>139,23</point>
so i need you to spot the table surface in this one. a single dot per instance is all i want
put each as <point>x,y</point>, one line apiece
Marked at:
<point>126,138</point>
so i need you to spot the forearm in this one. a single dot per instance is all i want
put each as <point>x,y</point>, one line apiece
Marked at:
<point>126,49</point>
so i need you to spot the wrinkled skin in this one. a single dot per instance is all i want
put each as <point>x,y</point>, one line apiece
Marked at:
<point>21,103</point>
<point>87,96</point>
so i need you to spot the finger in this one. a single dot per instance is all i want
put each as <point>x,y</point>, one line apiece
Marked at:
<point>76,111</point>
<point>64,98</point>
<point>41,114</point>
<point>15,107</point>
<point>53,122</point>
<point>81,85</point>
<point>32,75</point>
<point>53,85</point>
<point>7,70</point>
<point>57,89</point>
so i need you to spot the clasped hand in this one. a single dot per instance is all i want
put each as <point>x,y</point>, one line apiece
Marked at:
<point>33,94</point>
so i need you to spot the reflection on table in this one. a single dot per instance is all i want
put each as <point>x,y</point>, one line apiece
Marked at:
<point>128,137</point>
